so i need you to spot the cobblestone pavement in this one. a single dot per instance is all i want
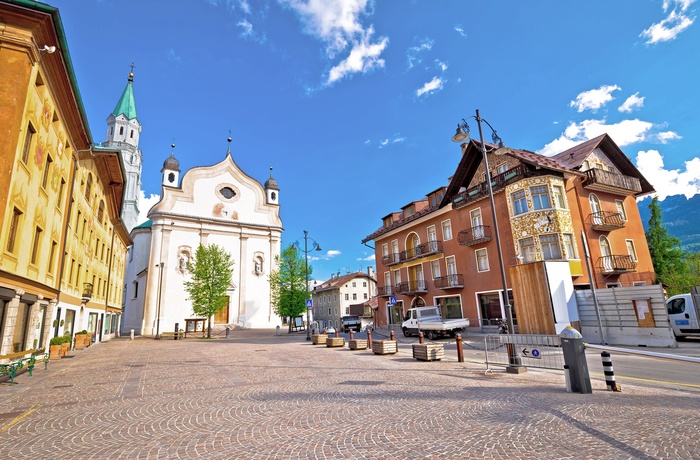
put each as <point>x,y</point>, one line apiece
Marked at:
<point>261,396</point>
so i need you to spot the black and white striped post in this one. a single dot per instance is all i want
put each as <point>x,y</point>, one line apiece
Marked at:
<point>609,373</point>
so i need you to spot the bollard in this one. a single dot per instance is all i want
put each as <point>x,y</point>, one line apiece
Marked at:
<point>131,335</point>
<point>391,336</point>
<point>277,330</point>
<point>227,331</point>
<point>609,373</point>
<point>460,350</point>
<point>421,338</point>
<point>352,337</point>
<point>177,328</point>
<point>575,358</point>
<point>369,339</point>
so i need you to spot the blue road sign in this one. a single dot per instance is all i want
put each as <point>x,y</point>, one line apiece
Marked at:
<point>309,303</point>
<point>392,300</point>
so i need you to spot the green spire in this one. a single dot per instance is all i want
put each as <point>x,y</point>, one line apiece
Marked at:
<point>126,105</point>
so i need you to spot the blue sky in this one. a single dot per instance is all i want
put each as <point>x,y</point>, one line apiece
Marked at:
<point>353,102</point>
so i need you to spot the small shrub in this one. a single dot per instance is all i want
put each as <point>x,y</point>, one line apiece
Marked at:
<point>56,341</point>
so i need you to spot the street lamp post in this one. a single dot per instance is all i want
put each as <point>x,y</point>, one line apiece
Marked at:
<point>160,287</point>
<point>461,135</point>
<point>316,247</point>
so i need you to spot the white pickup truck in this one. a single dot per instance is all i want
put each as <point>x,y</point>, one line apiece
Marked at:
<point>429,320</point>
<point>684,313</point>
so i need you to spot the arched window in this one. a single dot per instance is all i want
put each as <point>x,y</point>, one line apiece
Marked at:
<point>596,215</point>
<point>88,187</point>
<point>606,253</point>
<point>131,134</point>
<point>101,211</point>
<point>121,130</point>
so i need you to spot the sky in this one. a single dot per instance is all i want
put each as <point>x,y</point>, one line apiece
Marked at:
<point>353,103</point>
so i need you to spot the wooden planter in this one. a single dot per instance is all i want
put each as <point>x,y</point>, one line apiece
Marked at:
<point>335,342</point>
<point>65,348</point>
<point>80,341</point>
<point>385,347</point>
<point>429,352</point>
<point>357,344</point>
<point>55,352</point>
<point>319,339</point>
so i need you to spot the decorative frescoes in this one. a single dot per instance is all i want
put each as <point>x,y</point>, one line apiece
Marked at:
<point>220,210</point>
<point>184,255</point>
<point>258,264</point>
<point>40,153</point>
<point>46,111</point>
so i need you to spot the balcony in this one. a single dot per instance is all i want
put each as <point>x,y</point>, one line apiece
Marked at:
<point>422,250</point>
<point>392,259</point>
<point>497,183</point>
<point>611,182</point>
<point>605,221</point>
<point>614,265</point>
<point>412,287</point>
<point>455,281</point>
<point>475,235</point>
<point>385,291</point>
<point>87,292</point>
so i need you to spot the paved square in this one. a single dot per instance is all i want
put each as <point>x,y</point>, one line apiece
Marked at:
<point>260,396</point>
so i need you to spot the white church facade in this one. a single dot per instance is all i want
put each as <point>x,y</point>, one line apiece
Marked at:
<point>217,204</point>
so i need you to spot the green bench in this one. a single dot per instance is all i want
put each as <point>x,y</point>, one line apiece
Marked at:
<point>20,360</point>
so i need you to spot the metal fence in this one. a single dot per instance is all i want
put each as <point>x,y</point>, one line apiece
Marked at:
<point>527,350</point>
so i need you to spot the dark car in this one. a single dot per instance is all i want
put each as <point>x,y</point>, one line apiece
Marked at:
<point>351,322</point>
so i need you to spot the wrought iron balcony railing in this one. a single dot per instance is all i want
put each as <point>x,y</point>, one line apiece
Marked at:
<point>474,235</point>
<point>385,291</point>
<point>497,183</point>
<point>412,287</point>
<point>617,264</point>
<point>605,221</point>
<point>449,282</point>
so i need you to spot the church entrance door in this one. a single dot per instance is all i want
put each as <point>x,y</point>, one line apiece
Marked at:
<point>222,316</point>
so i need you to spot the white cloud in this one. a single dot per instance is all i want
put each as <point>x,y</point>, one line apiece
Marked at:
<point>398,138</point>
<point>145,205</point>
<point>244,6</point>
<point>672,25</point>
<point>434,85</point>
<point>368,258</point>
<point>172,56</point>
<point>441,65</point>
<point>413,55</point>
<point>669,182</point>
<point>246,26</point>
<point>666,136</point>
<point>594,99</point>
<point>363,57</point>
<point>327,256</point>
<point>333,252</point>
<point>460,30</point>
<point>633,102</point>
<point>623,133</point>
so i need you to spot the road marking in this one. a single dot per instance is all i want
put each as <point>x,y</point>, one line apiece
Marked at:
<point>19,419</point>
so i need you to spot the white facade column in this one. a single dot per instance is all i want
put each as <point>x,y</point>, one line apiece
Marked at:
<point>242,276</point>
<point>151,296</point>
<point>8,332</point>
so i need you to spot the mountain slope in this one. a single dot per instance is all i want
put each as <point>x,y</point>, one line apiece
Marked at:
<point>680,215</point>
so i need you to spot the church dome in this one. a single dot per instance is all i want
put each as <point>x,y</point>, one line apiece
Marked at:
<point>271,183</point>
<point>171,163</point>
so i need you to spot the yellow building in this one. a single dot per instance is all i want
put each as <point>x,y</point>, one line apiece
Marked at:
<point>62,242</point>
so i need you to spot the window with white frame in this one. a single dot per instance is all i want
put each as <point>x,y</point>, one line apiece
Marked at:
<point>451,270</point>
<point>387,280</point>
<point>397,277</point>
<point>519,202</point>
<point>639,283</point>
<point>477,223</point>
<point>540,197</point>
<point>385,251</point>
<point>528,249</point>
<point>395,250</point>
<point>621,209</point>
<point>354,296</point>
<point>482,260</point>
<point>347,296</point>
<point>558,193</point>
<point>432,238</point>
<point>502,168</point>
<point>365,294</point>
<point>446,230</point>
<point>631,250</point>
<point>354,284</point>
<point>435,268</point>
<point>568,240</point>
<point>585,166</point>
<point>550,246</point>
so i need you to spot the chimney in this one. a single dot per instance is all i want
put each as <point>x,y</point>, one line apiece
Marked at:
<point>370,272</point>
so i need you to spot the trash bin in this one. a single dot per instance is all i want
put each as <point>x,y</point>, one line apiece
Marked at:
<point>575,359</point>
<point>177,328</point>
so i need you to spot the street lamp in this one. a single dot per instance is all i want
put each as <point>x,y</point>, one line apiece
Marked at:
<point>316,247</point>
<point>462,135</point>
<point>160,287</point>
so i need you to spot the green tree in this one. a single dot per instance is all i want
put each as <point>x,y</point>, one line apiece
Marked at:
<point>679,282</point>
<point>666,252</point>
<point>211,270</point>
<point>288,284</point>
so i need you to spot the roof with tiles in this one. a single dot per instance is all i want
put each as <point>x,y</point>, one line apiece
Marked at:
<point>337,283</point>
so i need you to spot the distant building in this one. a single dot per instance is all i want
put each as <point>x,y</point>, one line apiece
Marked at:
<point>63,244</point>
<point>441,250</point>
<point>216,204</point>
<point>333,298</point>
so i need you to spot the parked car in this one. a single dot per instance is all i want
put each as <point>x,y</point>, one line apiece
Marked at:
<point>684,313</point>
<point>369,326</point>
<point>351,322</point>
<point>330,330</point>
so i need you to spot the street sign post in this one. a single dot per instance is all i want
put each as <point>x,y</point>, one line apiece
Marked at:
<point>309,304</point>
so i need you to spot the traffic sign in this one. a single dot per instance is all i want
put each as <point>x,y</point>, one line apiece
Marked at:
<point>534,353</point>
<point>309,303</point>
<point>392,300</point>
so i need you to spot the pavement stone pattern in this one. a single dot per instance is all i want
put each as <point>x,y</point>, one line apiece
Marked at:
<point>261,396</point>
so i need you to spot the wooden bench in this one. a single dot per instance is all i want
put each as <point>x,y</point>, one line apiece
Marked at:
<point>21,360</point>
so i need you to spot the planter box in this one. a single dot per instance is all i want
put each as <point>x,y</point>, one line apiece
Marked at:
<point>80,341</point>
<point>55,352</point>
<point>335,342</point>
<point>65,348</point>
<point>358,344</point>
<point>385,347</point>
<point>429,352</point>
<point>319,339</point>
